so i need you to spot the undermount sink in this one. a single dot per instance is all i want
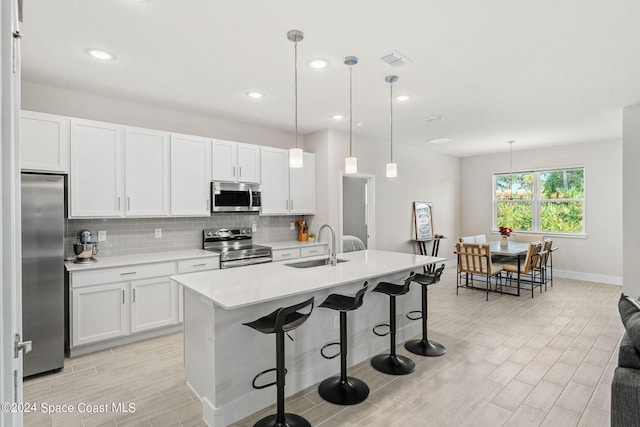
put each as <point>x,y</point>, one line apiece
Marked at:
<point>313,263</point>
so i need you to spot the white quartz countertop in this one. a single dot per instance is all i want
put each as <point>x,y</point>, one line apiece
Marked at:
<point>291,244</point>
<point>147,258</point>
<point>239,287</point>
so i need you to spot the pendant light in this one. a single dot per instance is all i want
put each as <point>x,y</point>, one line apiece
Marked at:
<point>392,168</point>
<point>350,163</point>
<point>296,157</point>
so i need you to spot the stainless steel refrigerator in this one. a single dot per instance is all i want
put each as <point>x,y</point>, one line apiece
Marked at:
<point>43,229</point>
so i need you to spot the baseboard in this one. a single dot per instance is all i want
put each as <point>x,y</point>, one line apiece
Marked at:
<point>589,277</point>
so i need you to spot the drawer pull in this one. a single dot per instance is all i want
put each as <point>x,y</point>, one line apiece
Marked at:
<point>123,296</point>
<point>313,252</point>
<point>199,265</point>
<point>134,294</point>
<point>128,274</point>
<point>287,254</point>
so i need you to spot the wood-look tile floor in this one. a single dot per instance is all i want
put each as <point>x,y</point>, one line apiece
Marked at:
<point>512,361</point>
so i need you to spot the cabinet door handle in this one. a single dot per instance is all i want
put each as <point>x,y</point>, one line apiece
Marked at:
<point>287,204</point>
<point>291,203</point>
<point>123,296</point>
<point>199,265</point>
<point>128,203</point>
<point>233,173</point>
<point>118,203</point>
<point>134,294</point>
<point>206,201</point>
<point>239,171</point>
<point>128,274</point>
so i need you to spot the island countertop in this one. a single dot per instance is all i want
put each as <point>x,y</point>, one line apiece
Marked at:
<point>240,287</point>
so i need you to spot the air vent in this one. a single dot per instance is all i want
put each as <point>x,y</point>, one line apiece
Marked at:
<point>395,58</point>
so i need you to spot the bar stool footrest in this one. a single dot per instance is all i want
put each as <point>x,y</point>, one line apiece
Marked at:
<point>260,387</point>
<point>411,315</point>
<point>327,346</point>
<point>380,326</point>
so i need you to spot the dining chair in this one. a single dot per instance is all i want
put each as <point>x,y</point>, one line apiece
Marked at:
<point>475,259</point>
<point>530,270</point>
<point>467,239</point>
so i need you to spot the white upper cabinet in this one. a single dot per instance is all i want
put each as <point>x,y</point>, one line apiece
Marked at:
<point>190,175</point>
<point>44,142</point>
<point>287,190</point>
<point>146,164</point>
<point>235,161</point>
<point>302,187</point>
<point>96,188</point>
<point>275,181</point>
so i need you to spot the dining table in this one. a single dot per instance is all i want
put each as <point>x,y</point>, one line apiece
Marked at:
<point>512,249</point>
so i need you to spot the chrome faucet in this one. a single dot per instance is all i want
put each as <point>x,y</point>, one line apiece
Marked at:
<point>332,255</point>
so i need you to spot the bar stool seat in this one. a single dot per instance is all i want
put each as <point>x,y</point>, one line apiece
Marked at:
<point>343,390</point>
<point>424,346</point>
<point>279,322</point>
<point>392,363</point>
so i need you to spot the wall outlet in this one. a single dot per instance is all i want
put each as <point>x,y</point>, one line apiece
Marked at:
<point>292,225</point>
<point>254,228</point>
<point>102,235</point>
<point>158,233</point>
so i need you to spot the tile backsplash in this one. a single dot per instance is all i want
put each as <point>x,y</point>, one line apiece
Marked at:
<point>128,236</point>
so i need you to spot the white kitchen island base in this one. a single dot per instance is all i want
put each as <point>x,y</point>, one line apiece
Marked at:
<point>222,355</point>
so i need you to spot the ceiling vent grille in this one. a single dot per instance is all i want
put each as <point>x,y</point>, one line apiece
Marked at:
<point>395,58</point>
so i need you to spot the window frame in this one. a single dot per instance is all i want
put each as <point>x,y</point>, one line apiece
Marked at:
<point>536,201</point>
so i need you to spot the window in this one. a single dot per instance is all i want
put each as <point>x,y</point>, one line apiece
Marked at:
<point>556,207</point>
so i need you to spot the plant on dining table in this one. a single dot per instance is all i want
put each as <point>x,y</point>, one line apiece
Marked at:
<point>506,231</point>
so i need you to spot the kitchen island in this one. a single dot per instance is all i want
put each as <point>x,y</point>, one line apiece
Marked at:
<point>222,356</point>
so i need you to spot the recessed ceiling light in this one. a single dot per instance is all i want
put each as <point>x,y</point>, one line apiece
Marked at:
<point>100,54</point>
<point>255,94</point>
<point>438,140</point>
<point>359,124</point>
<point>337,117</point>
<point>432,118</point>
<point>318,64</point>
<point>402,98</point>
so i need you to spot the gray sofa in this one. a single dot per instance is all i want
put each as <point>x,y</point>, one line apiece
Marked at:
<point>625,387</point>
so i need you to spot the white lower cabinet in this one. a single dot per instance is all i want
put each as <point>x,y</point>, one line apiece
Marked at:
<point>110,306</point>
<point>99,313</point>
<point>153,304</point>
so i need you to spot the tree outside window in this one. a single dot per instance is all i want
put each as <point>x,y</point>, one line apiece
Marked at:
<point>558,206</point>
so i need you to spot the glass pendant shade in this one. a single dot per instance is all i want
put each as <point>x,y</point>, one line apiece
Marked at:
<point>296,158</point>
<point>392,170</point>
<point>350,165</point>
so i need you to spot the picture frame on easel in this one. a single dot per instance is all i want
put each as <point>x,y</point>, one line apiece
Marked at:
<point>422,221</point>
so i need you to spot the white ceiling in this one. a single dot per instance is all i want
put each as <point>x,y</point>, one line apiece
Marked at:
<point>541,72</point>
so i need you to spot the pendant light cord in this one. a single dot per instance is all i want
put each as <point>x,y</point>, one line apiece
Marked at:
<point>391,117</point>
<point>295,48</point>
<point>350,114</point>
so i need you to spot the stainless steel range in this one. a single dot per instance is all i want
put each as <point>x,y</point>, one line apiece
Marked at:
<point>235,246</point>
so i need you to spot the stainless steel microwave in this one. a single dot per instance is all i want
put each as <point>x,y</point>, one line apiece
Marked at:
<point>232,197</point>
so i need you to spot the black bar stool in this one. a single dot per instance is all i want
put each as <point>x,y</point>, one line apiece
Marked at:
<point>424,346</point>
<point>392,363</point>
<point>343,390</point>
<point>280,322</point>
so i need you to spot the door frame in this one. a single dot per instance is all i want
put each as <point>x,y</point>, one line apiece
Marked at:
<point>370,211</point>
<point>10,244</point>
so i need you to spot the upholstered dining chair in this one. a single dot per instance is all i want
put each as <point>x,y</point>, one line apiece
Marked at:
<point>475,259</point>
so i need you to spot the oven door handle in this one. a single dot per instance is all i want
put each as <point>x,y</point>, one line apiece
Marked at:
<point>243,262</point>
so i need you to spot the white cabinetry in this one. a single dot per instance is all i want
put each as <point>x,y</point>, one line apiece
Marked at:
<point>287,190</point>
<point>44,142</point>
<point>285,251</point>
<point>146,166</point>
<point>96,169</point>
<point>154,303</point>
<point>190,175</point>
<point>116,305</point>
<point>235,162</point>
<point>99,313</point>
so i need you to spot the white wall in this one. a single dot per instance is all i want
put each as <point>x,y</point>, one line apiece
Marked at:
<point>631,205</point>
<point>598,256</point>
<point>423,175</point>
<point>54,100</point>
